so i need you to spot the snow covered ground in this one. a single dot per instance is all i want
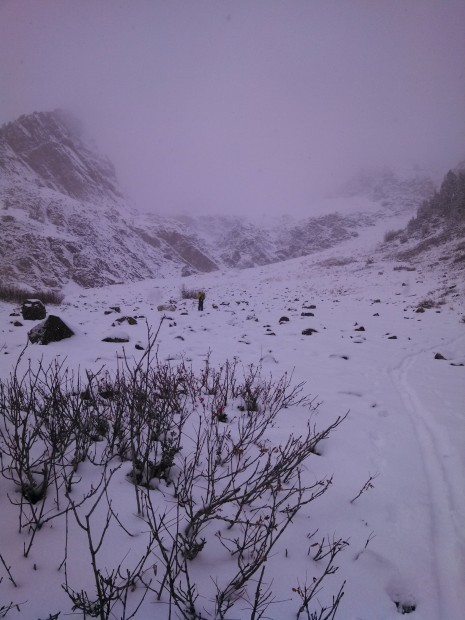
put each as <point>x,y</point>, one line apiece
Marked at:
<point>405,428</point>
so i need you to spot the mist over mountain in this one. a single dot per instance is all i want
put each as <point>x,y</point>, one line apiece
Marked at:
<point>64,218</point>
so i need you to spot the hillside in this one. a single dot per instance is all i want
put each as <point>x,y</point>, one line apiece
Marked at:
<point>436,234</point>
<point>64,219</point>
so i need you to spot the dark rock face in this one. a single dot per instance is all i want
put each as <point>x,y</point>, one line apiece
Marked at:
<point>75,224</point>
<point>186,249</point>
<point>49,143</point>
<point>33,310</point>
<point>53,329</point>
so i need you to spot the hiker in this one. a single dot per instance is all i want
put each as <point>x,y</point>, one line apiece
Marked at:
<point>200,297</point>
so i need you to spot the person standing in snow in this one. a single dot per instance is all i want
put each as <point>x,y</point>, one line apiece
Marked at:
<point>200,297</point>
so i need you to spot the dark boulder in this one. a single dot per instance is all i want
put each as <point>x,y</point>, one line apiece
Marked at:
<point>128,319</point>
<point>53,329</point>
<point>309,332</point>
<point>116,339</point>
<point>33,310</point>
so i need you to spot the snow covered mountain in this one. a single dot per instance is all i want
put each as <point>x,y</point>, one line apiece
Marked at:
<point>64,218</point>
<point>373,334</point>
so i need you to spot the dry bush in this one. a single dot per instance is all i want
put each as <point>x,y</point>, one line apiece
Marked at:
<point>404,268</point>
<point>390,235</point>
<point>427,304</point>
<point>336,262</point>
<point>187,293</point>
<point>9,292</point>
<point>201,437</point>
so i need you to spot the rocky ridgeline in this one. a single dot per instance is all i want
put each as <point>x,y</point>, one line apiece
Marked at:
<point>64,218</point>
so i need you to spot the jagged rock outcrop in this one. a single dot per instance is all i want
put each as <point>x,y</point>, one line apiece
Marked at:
<point>436,234</point>
<point>63,217</point>
<point>49,145</point>
<point>446,206</point>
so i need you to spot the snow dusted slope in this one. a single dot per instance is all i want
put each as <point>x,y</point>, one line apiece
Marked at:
<point>405,430</point>
<point>64,219</point>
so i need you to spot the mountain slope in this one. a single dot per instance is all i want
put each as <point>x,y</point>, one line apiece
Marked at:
<point>437,232</point>
<point>64,218</point>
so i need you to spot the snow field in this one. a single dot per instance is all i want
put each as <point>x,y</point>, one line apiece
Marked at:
<point>405,429</point>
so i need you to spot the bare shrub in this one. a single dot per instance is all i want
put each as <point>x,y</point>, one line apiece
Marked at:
<point>203,439</point>
<point>368,485</point>
<point>427,304</point>
<point>188,293</point>
<point>4,609</point>
<point>391,235</point>
<point>112,586</point>
<point>336,262</point>
<point>9,292</point>
<point>234,487</point>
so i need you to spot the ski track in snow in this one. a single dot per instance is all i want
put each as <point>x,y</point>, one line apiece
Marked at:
<point>442,470</point>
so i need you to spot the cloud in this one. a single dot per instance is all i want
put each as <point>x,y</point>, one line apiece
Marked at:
<point>244,105</point>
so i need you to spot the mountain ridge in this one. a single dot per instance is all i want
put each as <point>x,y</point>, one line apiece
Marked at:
<point>64,218</point>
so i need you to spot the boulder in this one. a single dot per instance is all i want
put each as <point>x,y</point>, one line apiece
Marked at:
<point>128,319</point>
<point>117,336</point>
<point>309,332</point>
<point>53,329</point>
<point>33,310</point>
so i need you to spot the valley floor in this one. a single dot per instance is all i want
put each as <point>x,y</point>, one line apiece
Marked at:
<point>372,354</point>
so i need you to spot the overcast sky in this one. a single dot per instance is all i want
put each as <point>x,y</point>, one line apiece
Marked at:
<point>243,105</point>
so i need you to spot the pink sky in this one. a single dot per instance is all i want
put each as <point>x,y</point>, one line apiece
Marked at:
<point>244,105</point>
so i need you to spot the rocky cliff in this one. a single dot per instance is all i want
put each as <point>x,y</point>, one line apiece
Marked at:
<point>63,218</point>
